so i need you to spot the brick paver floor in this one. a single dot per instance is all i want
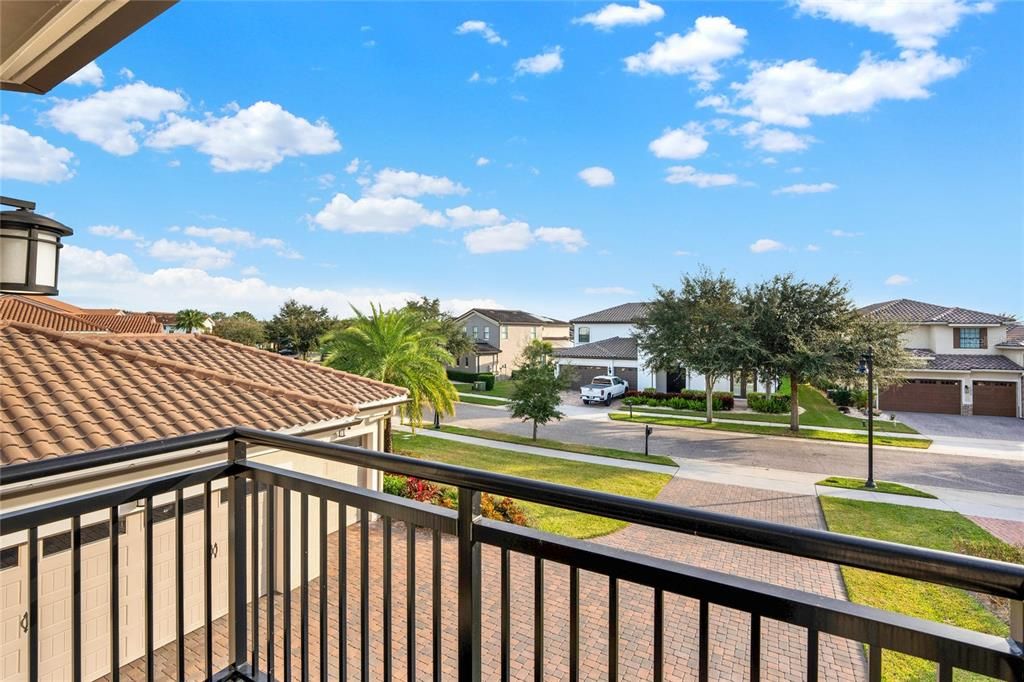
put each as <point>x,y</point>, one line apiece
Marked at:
<point>783,647</point>
<point>1007,531</point>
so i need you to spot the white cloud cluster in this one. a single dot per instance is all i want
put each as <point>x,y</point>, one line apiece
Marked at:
<point>688,175</point>
<point>897,280</point>
<point>115,232</point>
<point>805,188</point>
<point>914,25</point>
<point>399,183</point>
<point>482,161</point>
<point>711,40</point>
<point>540,64</point>
<point>680,143</point>
<point>255,138</point>
<point>597,176</point>
<point>375,214</point>
<point>568,238</point>
<point>90,74</point>
<point>190,254</point>
<point>28,157</point>
<point>774,140</point>
<point>243,238</point>
<point>113,119</point>
<point>613,15</point>
<point>766,245</point>
<point>466,216</point>
<point>843,234</point>
<point>483,28</point>
<point>517,236</point>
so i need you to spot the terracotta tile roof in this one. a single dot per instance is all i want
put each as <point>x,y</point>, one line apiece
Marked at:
<point>62,306</point>
<point>68,393</point>
<point>102,311</point>
<point>130,323</point>
<point>615,348</point>
<point>24,309</point>
<point>235,359</point>
<point>907,310</point>
<point>626,313</point>
<point>165,318</point>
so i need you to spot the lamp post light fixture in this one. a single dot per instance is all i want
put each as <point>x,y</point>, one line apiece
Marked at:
<point>29,249</point>
<point>867,366</point>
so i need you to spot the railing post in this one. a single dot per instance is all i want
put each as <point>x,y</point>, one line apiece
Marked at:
<point>1017,622</point>
<point>469,587</point>
<point>237,608</point>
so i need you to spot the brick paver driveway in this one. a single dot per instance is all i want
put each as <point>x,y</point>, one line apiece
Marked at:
<point>783,647</point>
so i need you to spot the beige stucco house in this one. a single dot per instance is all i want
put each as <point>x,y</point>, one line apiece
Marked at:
<point>499,337</point>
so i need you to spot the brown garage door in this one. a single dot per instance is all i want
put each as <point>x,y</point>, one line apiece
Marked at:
<point>995,398</point>
<point>627,374</point>
<point>583,374</point>
<point>922,395</point>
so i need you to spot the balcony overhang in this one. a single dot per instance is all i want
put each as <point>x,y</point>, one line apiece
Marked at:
<point>42,42</point>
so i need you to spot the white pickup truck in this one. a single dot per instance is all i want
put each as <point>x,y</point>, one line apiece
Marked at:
<point>602,389</point>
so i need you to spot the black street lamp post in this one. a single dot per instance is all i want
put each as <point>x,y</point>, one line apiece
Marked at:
<point>867,366</point>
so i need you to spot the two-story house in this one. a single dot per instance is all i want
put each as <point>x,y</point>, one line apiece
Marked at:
<point>971,363</point>
<point>604,343</point>
<point>499,337</point>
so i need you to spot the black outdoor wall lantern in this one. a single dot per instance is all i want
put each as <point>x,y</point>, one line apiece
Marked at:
<point>29,249</point>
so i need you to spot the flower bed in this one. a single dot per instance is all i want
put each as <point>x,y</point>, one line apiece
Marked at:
<point>684,400</point>
<point>497,508</point>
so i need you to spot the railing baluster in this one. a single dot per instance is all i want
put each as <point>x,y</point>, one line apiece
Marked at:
<point>254,534</point>
<point>875,663</point>
<point>613,628</point>
<point>945,672</point>
<point>238,610</point>
<point>179,578</point>
<point>33,603</point>
<point>386,605</point>
<point>436,559</point>
<point>272,492</point>
<point>538,618</point>
<point>342,592</point>
<point>506,616</point>
<point>76,600</point>
<point>286,591</point>
<point>703,642</point>
<point>574,624</point>
<point>755,647</point>
<point>812,656</point>
<point>659,635</point>
<point>469,587</point>
<point>208,578</point>
<point>149,588</point>
<point>364,595</point>
<point>410,601</point>
<point>304,590</point>
<point>115,596</point>
<point>323,590</point>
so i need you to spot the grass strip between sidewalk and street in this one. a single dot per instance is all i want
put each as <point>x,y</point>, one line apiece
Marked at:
<point>579,448</point>
<point>610,479</point>
<point>477,400</point>
<point>812,434</point>
<point>942,530</point>
<point>880,487</point>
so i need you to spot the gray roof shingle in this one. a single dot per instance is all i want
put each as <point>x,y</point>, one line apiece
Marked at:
<point>627,313</point>
<point>1014,337</point>
<point>907,310</point>
<point>512,316</point>
<point>969,362</point>
<point>615,348</point>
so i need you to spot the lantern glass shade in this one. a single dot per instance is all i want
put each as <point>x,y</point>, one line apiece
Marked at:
<point>29,251</point>
<point>13,257</point>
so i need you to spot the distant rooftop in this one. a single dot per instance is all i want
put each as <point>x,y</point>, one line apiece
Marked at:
<point>626,313</point>
<point>512,316</point>
<point>907,310</point>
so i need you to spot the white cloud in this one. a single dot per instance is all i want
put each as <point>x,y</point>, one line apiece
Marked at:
<point>791,92</point>
<point>914,25</point>
<point>804,188</point>
<point>255,138</point>
<point>239,237</point>
<point>602,291</point>
<point>115,232</point>
<point>540,64</point>
<point>597,176</point>
<point>680,143</point>
<point>765,245</point>
<point>897,280</point>
<point>688,175</point>
<point>569,238</point>
<point>465,216</point>
<point>795,169</point>
<point>482,161</point>
<point>353,166</point>
<point>483,28</point>
<point>90,74</point>
<point>843,234</point>
<point>250,271</point>
<point>680,252</point>
<point>610,16</point>
<point>398,183</point>
<point>126,73</point>
<point>190,254</point>
<point>325,180</point>
<point>711,40</point>
<point>28,157</point>
<point>514,236</point>
<point>374,214</point>
<point>714,101</point>
<point>173,163</point>
<point>774,140</point>
<point>475,77</point>
<point>114,118</point>
<point>813,247</point>
<point>769,161</point>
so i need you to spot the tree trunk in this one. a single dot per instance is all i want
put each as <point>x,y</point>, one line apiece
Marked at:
<point>794,402</point>
<point>535,429</point>
<point>387,435</point>
<point>767,385</point>
<point>709,385</point>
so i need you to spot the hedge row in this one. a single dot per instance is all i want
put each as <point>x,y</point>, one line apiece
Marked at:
<point>472,377</point>
<point>720,400</point>
<point>769,404</point>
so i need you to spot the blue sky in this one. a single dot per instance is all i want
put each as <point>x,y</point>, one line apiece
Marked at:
<point>230,155</point>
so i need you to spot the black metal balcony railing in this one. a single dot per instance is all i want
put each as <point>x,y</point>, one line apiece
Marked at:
<point>256,650</point>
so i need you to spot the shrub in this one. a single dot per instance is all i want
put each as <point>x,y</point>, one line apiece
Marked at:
<point>422,491</point>
<point>843,397</point>
<point>394,484</point>
<point>503,509</point>
<point>633,400</point>
<point>774,404</point>
<point>491,507</point>
<point>720,400</point>
<point>472,377</point>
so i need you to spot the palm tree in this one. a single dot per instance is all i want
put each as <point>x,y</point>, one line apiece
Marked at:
<point>395,347</point>
<point>190,319</point>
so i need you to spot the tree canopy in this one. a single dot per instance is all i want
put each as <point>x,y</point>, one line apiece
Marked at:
<point>241,327</point>
<point>457,342</point>
<point>537,393</point>
<point>190,319</point>
<point>298,326</point>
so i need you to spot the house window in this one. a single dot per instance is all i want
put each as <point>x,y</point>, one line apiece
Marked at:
<point>504,331</point>
<point>583,335</point>
<point>533,333</point>
<point>487,333</point>
<point>970,337</point>
<point>9,558</point>
<point>476,332</point>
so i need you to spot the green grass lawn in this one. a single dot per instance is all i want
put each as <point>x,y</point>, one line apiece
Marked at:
<point>480,400</point>
<point>941,530</point>
<point>772,430</point>
<point>882,486</point>
<point>502,389</point>
<point>558,445</point>
<point>641,484</point>
<point>462,386</point>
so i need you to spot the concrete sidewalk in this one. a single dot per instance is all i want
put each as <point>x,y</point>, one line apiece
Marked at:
<point>966,502</point>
